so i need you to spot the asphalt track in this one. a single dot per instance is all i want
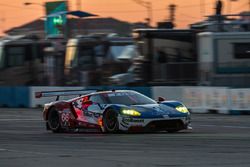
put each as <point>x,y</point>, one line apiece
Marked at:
<point>216,140</point>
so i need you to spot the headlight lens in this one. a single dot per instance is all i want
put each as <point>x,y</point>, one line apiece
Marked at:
<point>182,109</point>
<point>130,112</point>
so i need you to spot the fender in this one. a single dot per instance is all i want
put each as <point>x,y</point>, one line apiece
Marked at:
<point>172,104</point>
<point>115,107</point>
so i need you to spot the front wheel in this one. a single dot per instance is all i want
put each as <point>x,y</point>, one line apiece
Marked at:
<point>110,121</point>
<point>54,121</point>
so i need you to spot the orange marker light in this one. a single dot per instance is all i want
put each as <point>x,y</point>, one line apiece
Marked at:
<point>100,122</point>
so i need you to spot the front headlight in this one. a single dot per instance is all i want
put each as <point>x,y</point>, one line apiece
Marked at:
<point>182,109</point>
<point>130,112</point>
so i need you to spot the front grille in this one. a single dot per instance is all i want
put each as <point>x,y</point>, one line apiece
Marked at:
<point>166,125</point>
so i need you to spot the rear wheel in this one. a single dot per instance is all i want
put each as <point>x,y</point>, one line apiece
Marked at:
<point>54,121</point>
<point>110,121</point>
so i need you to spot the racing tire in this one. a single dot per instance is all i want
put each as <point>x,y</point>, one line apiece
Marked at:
<point>110,121</point>
<point>54,121</point>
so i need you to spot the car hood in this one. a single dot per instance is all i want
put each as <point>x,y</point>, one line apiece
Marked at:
<point>157,111</point>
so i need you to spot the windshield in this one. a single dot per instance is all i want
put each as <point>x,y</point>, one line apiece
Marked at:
<point>126,52</point>
<point>128,98</point>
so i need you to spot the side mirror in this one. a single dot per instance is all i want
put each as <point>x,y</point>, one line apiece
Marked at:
<point>161,99</point>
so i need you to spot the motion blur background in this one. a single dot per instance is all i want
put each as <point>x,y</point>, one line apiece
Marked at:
<point>193,51</point>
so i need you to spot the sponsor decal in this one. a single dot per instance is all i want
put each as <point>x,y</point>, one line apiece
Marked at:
<point>67,110</point>
<point>65,117</point>
<point>97,115</point>
<point>158,111</point>
<point>129,119</point>
<point>78,104</point>
<point>165,116</point>
<point>91,114</point>
<point>124,123</point>
<point>87,113</point>
<point>125,126</point>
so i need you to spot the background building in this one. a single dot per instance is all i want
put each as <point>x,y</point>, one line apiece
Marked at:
<point>78,27</point>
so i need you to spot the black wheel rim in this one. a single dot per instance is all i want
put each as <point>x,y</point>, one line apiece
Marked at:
<point>54,120</point>
<point>111,120</point>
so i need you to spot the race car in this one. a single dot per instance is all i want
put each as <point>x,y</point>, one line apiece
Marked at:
<point>113,111</point>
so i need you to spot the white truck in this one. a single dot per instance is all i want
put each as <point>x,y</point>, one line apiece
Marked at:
<point>224,58</point>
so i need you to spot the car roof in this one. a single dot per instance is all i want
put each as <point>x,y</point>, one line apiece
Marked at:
<point>99,92</point>
<point>109,91</point>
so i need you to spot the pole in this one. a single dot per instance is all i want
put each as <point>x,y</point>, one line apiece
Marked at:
<point>202,8</point>
<point>3,21</point>
<point>229,7</point>
<point>67,26</point>
<point>150,13</point>
<point>78,24</point>
<point>249,5</point>
<point>79,4</point>
<point>148,6</point>
<point>172,8</point>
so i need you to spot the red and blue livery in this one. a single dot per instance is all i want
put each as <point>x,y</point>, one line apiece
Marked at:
<point>113,111</point>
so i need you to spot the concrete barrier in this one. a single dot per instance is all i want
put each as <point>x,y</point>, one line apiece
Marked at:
<point>195,99</point>
<point>217,99</point>
<point>14,97</point>
<point>220,100</point>
<point>169,93</point>
<point>240,101</point>
<point>198,99</point>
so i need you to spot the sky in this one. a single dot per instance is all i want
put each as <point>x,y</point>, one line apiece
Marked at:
<point>14,13</point>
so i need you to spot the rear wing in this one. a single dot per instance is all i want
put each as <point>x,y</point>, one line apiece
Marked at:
<point>59,93</point>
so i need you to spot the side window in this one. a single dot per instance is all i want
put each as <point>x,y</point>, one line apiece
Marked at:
<point>28,51</point>
<point>242,50</point>
<point>16,56</point>
<point>96,99</point>
<point>85,56</point>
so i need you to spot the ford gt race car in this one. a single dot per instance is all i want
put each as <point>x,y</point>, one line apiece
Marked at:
<point>113,111</point>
